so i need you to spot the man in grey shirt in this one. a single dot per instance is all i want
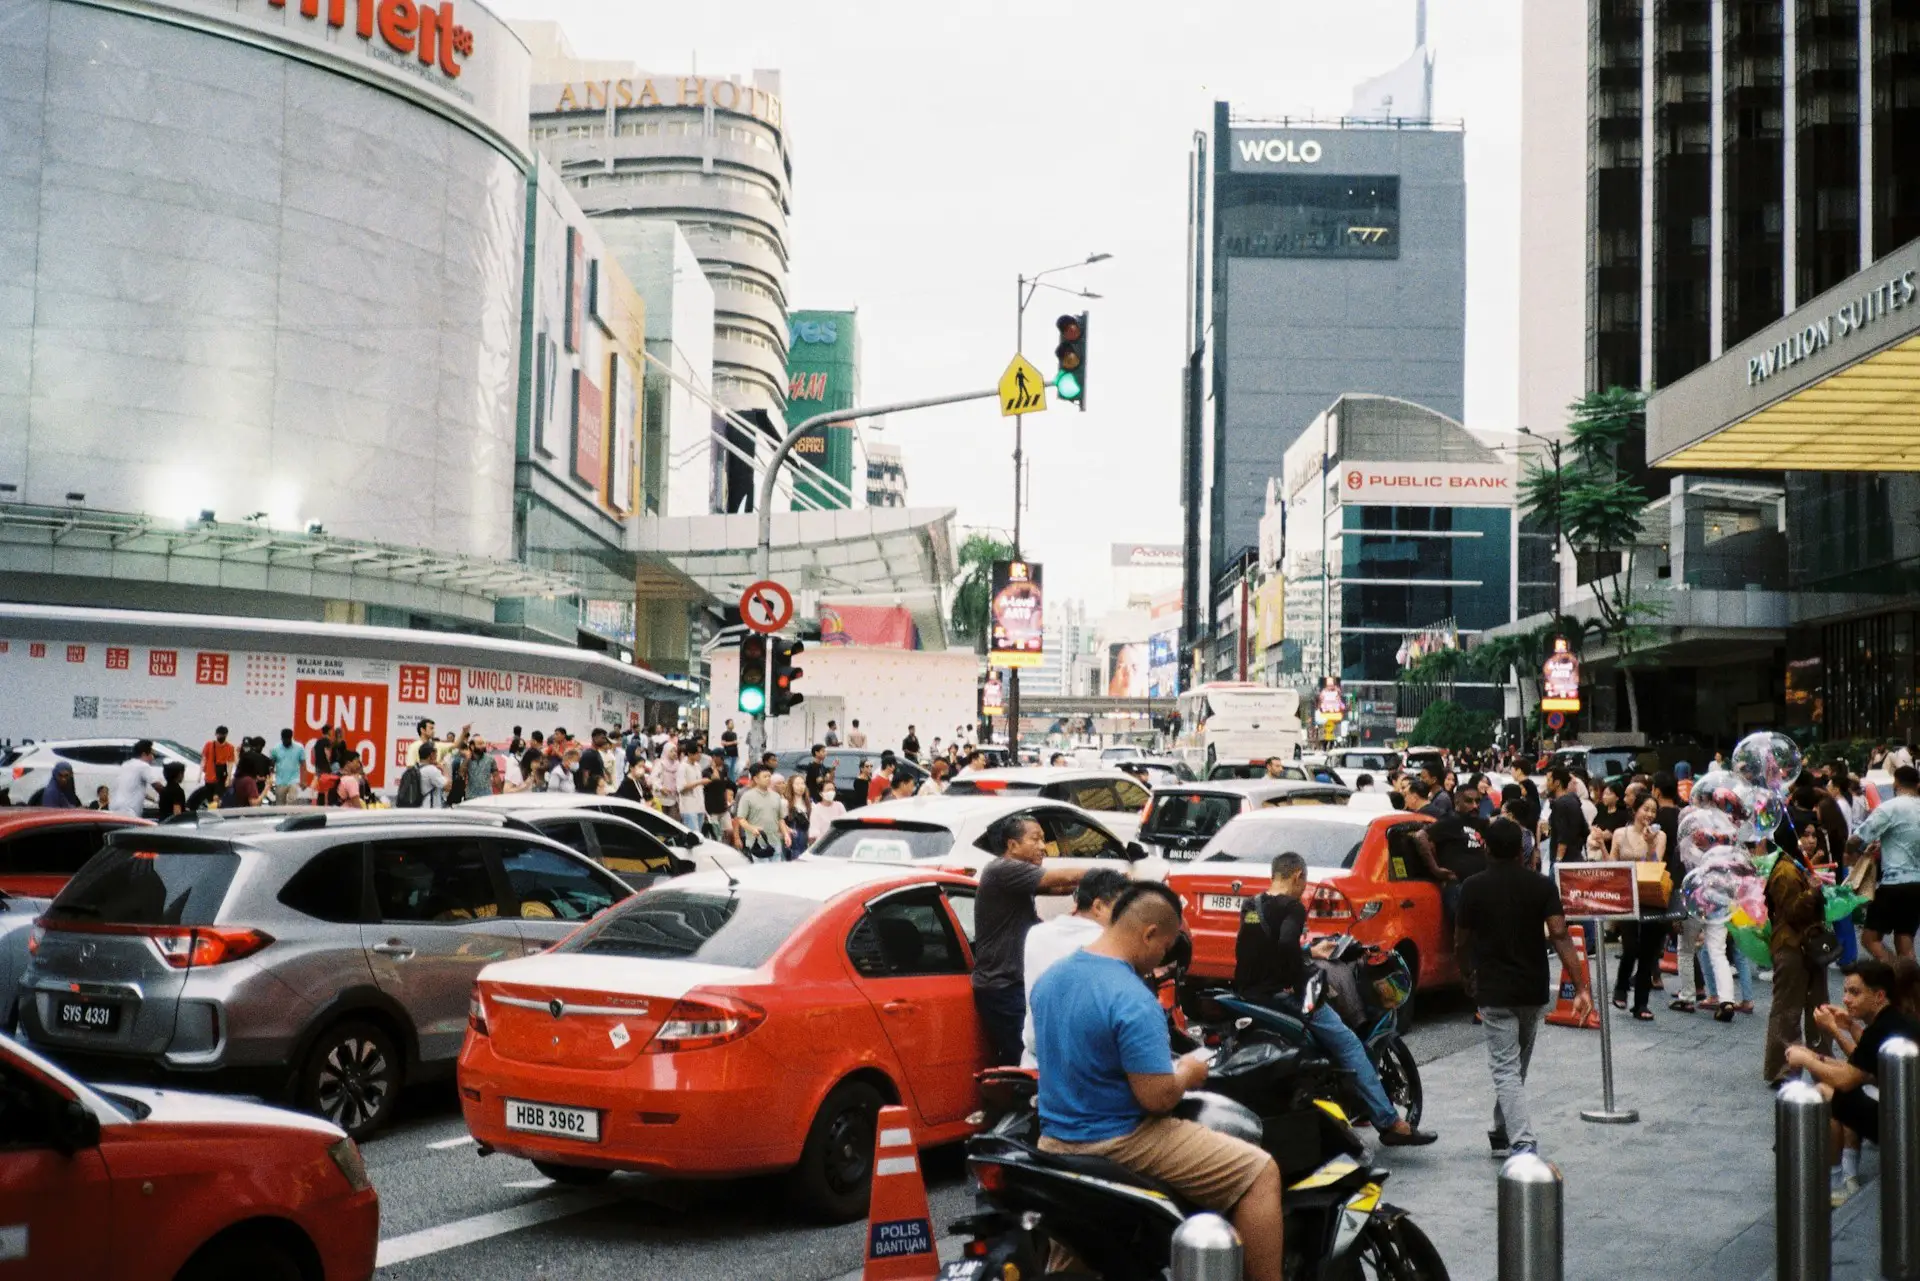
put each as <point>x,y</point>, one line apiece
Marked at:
<point>762,816</point>
<point>1003,913</point>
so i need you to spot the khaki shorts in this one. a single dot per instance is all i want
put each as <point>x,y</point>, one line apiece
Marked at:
<point>1211,1169</point>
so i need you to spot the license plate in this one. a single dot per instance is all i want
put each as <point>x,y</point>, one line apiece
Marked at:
<point>71,1014</point>
<point>964,1270</point>
<point>548,1118</point>
<point>1220,902</point>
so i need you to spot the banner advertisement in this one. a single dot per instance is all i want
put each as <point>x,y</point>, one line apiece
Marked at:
<point>59,689</point>
<point>1560,679</point>
<point>1163,664</point>
<point>887,626</point>
<point>1127,670</point>
<point>993,696</point>
<point>1017,624</point>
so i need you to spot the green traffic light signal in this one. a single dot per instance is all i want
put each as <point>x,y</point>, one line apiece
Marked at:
<point>753,674</point>
<point>1070,384</point>
<point>1067,385</point>
<point>752,700</point>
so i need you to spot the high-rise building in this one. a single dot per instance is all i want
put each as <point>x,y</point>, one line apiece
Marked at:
<point>886,476</point>
<point>707,152</point>
<point>1332,260</point>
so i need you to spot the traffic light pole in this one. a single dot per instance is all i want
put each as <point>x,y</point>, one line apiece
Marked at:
<point>763,561</point>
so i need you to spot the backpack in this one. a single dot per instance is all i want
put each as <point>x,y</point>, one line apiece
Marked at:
<point>408,794</point>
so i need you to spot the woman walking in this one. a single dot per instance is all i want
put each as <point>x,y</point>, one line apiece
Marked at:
<point>1641,941</point>
<point>799,815</point>
<point>1794,906</point>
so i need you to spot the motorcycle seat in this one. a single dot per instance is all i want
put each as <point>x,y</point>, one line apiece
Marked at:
<point>1100,1167</point>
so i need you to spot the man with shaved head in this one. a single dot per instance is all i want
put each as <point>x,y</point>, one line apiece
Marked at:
<point>1108,1078</point>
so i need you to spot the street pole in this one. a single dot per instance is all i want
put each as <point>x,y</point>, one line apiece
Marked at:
<point>1021,297</point>
<point>763,561</point>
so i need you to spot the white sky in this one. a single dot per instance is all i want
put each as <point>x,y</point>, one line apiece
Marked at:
<point>940,150</point>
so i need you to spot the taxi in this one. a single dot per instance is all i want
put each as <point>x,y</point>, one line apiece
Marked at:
<point>138,1183</point>
<point>1357,884</point>
<point>735,1022</point>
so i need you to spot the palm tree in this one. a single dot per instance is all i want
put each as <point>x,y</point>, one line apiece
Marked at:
<point>973,590</point>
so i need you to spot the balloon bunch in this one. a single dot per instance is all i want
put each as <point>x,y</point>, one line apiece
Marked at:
<point>1730,809</point>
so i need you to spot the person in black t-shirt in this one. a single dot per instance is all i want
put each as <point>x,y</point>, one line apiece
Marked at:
<point>1459,847</point>
<point>1566,821</point>
<point>1867,1022</point>
<point>172,798</point>
<point>1497,941</point>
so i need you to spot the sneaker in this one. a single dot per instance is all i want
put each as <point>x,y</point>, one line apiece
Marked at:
<point>1843,1190</point>
<point>1497,1140</point>
<point>1526,1149</point>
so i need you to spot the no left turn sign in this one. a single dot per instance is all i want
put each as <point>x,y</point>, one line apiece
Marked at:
<point>766,607</point>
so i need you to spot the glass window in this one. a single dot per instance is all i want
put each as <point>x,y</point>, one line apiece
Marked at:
<point>905,934</point>
<point>97,755</point>
<point>548,885</point>
<point>1317,216</point>
<point>432,880</point>
<point>1320,844</point>
<point>963,904</point>
<point>568,831</point>
<point>1070,837</point>
<point>883,842</point>
<point>51,851</point>
<point>1132,795</point>
<point>127,886</point>
<point>1189,814</point>
<point>742,928</point>
<point>1101,796</point>
<point>331,887</point>
<point>625,848</point>
<point>27,1109</point>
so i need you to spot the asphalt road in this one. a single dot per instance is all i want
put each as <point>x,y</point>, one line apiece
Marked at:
<point>450,1214</point>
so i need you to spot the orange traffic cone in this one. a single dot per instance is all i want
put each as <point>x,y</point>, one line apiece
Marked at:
<point>899,1225</point>
<point>1562,1012</point>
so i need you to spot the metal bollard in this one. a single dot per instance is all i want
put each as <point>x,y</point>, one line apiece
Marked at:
<point>1899,1081</point>
<point>1206,1248</point>
<point>1803,1217</point>
<point>1532,1220</point>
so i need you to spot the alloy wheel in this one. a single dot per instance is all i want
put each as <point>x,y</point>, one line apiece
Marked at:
<point>354,1083</point>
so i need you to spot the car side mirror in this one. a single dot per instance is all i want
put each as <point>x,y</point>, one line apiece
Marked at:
<point>75,1127</point>
<point>1135,851</point>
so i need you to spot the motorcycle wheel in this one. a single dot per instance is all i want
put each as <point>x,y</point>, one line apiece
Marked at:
<point>1400,1077</point>
<point>1393,1248</point>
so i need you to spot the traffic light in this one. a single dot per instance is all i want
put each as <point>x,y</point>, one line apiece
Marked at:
<point>753,673</point>
<point>1071,382</point>
<point>782,695</point>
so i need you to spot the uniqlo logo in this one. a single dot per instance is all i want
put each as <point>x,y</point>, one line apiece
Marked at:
<point>76,653</point>
<point>117,658</point>
<point>38,649</point>
<point>210,669</point>
<point>414,681</point>
<point>5,646</point>
<point>446,685</point>
<point>163,662</point>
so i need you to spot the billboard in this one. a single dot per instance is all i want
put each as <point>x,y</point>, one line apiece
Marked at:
<point>1016,621</point>
<point>1560,679</point>
<point>1128,665</point>
<point>993,695</point>
<point>1163,664</point>
<point>823,374</point>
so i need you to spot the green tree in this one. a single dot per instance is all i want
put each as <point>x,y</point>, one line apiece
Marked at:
<point>1449,725</point>
<point>973,590</point>
<point>1598,505</point>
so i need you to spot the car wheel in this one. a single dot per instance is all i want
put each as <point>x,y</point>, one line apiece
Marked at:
<point>835,1176</point>
<point>578,1176</point>
<point>351,1077</point>
<point>248,1256</point>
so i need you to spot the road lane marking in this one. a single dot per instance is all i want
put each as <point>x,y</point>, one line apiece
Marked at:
<point>541,1182</point>
<point>448,1236</point>
<point>444,1144</point>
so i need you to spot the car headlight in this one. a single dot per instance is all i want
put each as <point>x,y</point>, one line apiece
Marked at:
<point>347,1159</point>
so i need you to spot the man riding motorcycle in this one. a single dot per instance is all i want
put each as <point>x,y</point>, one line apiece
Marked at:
<point>1108,1078</point>
<point>1270,968</point>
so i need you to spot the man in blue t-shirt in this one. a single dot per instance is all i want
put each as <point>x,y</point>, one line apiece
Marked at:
<point>1108,1078</point>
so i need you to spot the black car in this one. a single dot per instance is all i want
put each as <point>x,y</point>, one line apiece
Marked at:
<point>1183,817</point>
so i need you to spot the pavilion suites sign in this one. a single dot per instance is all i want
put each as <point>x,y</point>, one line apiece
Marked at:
<point>1880,301</point>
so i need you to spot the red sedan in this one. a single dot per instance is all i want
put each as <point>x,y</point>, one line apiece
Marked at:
<point>41,849</point>
<point>731,1023</point>
<point>161,1185</point>
<point>1357,886</point>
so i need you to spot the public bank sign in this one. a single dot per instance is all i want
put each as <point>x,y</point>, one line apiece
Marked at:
<point>1369,484</point>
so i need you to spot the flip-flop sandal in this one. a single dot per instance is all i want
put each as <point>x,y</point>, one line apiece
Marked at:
<point>1619,1002</point>
<point>1681,1004</point>
<point>1645,1016</point>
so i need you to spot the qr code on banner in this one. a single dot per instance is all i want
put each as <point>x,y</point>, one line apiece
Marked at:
<point>86,707</point>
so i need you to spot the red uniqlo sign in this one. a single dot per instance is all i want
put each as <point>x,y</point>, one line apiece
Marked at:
<point>76,653</point>
<point>117,658</point>
<point>446,686</point>
<point>209,669</point>
<point>38,649</point>
<point>358,707</point>
<point>163,662</point>
<point>414,680</point>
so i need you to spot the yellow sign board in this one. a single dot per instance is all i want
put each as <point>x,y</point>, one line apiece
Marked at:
<point>1022,389</point>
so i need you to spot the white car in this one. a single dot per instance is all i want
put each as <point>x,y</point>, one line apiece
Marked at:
<point>951,832</point>
<point>1117,799</point>
<point>688,843</point>
<point>1349,763</point>
<point>26,769</point>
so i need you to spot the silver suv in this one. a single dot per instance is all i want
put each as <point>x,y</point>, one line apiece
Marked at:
<point>326,956</point>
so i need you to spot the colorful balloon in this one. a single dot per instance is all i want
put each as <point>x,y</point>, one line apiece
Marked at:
<point>1701,829</point>
<point>1766,759</point>
<point>1720,790</point>
<point>1713,889</point>
<point>1765,810</point>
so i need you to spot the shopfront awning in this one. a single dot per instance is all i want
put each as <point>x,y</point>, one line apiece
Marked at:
<point>1835,386</point>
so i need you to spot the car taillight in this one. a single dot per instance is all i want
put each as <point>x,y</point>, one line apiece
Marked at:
<point>1329,904</point>
<point>477,1014</point>
<point>992,1178</point>
<point>33,939</point>
<point>703,1021</point>
<point>190,948</point>
<point>19,771</point>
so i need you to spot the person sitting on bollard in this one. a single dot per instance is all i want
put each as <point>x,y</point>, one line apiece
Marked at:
<point>1869,1020</point>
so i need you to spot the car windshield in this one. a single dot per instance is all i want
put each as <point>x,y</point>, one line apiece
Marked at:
<point>122,886</point>
<point>717,927</point>
<point>1188,815</point>
<point>1320,844</point>
<point>871,841</point>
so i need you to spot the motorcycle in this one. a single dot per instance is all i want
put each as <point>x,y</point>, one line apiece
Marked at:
<point>1368,987</point>
<point>1119,1225</point>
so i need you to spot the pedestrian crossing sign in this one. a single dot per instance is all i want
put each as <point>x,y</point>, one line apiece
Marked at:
<point>1022,389</point>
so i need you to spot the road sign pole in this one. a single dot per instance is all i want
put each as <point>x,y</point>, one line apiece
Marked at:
<point>1606,1113</point>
